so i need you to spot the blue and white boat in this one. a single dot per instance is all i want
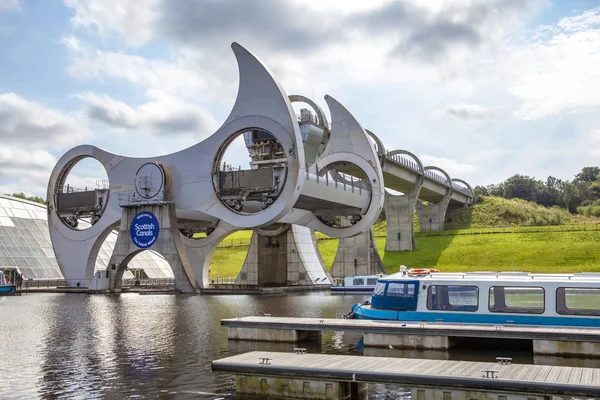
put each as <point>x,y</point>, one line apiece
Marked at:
<point>486,298</point>
<point>355,284</point>
<point>5,287</point>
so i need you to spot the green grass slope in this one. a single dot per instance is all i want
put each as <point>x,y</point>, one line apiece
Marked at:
<point>553,248</point>
<point>492,211</point>
<point>543,252</point>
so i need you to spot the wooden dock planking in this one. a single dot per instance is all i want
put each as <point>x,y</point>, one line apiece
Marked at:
<point>510,331</point>
<point>542,373</point>
<point>522,378</point>
<point>564,375</point>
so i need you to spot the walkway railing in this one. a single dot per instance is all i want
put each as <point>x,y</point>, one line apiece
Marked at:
<point>399,159</point>
<point>223,280</point>
<point>238,242</point>
<point>155,283</point>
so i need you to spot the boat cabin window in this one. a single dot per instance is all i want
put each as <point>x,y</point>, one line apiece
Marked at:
<point>517,299</point>
<point>400,289</point>
<point>379,289</point>
<point>578,301</point>
<point>371,281</point>
<point>397,296</point>
<point>452,298</point>
<point>358,282</point>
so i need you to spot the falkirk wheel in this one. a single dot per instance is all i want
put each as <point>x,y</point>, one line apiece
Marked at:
<point>182,205</point>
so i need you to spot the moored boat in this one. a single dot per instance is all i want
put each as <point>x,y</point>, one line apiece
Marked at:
<point>486,298</point>
<point>5,287</point>
<point>355,284</point>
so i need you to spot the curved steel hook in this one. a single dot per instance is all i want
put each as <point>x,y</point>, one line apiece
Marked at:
<point>408,153</point>
<point>467,185</point>
<point>380,147</point>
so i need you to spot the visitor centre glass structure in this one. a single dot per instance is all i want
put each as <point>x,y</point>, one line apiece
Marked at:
<point>25,246</point>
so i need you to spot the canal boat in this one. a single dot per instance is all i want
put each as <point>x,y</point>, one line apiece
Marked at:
<point>5,287</point>
<point>355,284</point>
<point>486,298</point>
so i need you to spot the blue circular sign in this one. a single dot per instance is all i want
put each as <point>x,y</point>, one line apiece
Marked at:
<point>144,229</point>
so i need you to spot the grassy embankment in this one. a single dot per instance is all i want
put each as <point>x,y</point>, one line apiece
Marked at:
<point>491,235</point>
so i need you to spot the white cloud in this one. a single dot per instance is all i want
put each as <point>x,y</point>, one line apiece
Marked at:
<point>162,114</point>
<point>23,121</point>
<point>470,112</point>
<point>14,158</point>
<point>28,133</point>
<point>454,168</point>
<point>184,76</point>
<point>132,20</point>
<point>557,70</point>
<point>24,170</point>
<point>10,5</point>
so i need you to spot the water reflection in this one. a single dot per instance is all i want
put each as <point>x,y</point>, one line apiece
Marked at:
<point>160,346</point>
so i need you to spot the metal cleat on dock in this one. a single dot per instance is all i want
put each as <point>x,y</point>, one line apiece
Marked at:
<point>300,350</point>
<point>490,373</point>
<point>267,315</point>
<point>265,360</point>
<point>504,360</point>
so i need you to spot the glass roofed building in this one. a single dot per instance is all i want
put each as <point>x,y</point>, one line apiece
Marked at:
<point>25,246</point>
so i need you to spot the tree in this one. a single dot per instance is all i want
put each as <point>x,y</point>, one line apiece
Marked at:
<point>522,187</point>
<point>496,190</point>
<point>481,191</point>
<point>36,199</point>
<point>551,193</point>
<point>587,174</point>
<point>570,196</point>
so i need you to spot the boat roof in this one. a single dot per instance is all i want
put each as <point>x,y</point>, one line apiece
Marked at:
<point>587,277</point>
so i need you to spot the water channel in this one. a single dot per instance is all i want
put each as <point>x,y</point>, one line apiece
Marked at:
<point>160,346</point>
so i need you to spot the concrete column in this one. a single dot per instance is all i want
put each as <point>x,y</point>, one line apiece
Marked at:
<point>168,244</point>
<point>399,216</point>
<point>357,255</point>
<point>410,341</point>
<point>285,257</point>
<point>271,335</point>
<point>431,217</point>
<point>566,349</point>
<point>298,388</point>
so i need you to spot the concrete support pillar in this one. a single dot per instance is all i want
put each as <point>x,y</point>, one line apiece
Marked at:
<point>168,243</point>
<point>299,388</point>
<point>285,257</point>
<point>431,217</point>
<point>399,216</point>
<point>410,341</point>
<point>271,335</point>
<point>424,393</point>
<point>357,255</point>
<point>566,349</point>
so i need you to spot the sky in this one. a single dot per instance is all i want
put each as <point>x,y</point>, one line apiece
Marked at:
<point>484,89</point>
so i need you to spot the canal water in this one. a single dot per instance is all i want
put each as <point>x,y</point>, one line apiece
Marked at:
<point>160,346</point>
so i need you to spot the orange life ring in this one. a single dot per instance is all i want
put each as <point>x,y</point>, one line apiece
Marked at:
<point>422,271</point>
